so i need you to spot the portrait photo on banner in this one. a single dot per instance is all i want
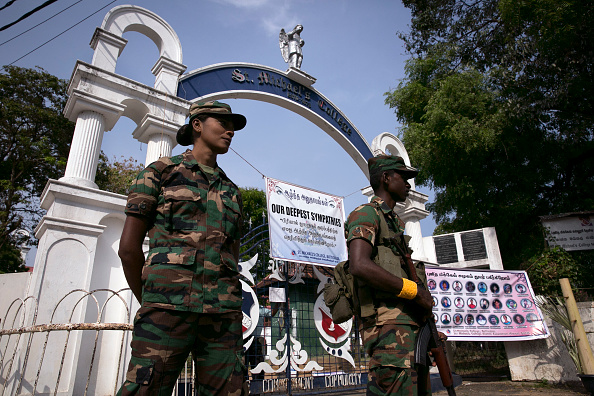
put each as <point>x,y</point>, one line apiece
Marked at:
<point>488,305</point>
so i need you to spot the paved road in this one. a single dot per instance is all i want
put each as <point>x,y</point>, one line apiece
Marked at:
<point>500,388</point>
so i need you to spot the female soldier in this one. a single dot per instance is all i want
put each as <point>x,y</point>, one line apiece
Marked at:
<point>188,286</point>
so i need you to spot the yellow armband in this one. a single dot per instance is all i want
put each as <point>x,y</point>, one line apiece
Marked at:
<point>409,289</point>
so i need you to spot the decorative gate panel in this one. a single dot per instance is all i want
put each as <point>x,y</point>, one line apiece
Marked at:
<point>292,345</point>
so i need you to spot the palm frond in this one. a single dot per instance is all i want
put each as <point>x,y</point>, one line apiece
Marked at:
<point>554,308</point>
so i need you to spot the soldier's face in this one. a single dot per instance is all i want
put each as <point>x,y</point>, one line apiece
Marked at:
<point>397,186</point>
<point>216,134</point>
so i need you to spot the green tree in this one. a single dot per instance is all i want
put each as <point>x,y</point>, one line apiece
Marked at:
<point>548,267</point>
<point>116,175</point>
<point>254,207</point>
<point>10,260</point>
<point>254,239</point>
<point>34,144</point>
<point>497,114</point>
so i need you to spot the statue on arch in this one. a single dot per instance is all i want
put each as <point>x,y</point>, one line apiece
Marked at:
<point>290,46</point>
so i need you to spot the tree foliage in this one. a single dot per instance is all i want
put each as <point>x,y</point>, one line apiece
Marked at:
<point>10,260</point>
<point>116,175</point>
<point>548,267</point>
<point>34,144</point>
<point>497,113</point>
<point>254,207</point>
<point>255,233</point>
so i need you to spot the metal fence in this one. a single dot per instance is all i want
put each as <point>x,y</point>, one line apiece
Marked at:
<point>480,359</point>
<point>292,347</point>
<point>19,331</point>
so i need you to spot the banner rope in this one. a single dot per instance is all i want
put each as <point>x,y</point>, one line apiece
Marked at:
<point>247,162</point>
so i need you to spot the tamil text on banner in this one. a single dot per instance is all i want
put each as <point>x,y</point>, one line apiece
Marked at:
<point>306,226</point>
<point>475,305</point>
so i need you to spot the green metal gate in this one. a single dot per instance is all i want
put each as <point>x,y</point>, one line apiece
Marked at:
<point>292,345</point>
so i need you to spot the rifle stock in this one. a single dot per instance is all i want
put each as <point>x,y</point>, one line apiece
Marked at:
<point>437,346</point>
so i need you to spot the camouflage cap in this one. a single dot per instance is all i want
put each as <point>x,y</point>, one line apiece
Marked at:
<point>213,108</point>
<point>391,162</point>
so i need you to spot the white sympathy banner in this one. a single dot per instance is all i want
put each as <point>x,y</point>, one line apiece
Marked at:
<point>571,232</point>
<point>474,305</point>
<point>306,226</point>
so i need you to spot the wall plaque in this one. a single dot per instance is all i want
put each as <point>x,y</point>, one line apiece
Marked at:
<point>445,249</point>
<point>473,245</point>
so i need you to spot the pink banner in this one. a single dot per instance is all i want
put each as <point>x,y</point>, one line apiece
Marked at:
<point>475,305</point>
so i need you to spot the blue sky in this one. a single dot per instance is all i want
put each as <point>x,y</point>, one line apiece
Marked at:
<point>351,48</point>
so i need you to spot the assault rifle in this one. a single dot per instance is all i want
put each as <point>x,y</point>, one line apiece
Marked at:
<point>428,338</point>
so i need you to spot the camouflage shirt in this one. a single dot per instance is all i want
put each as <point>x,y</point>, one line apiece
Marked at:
<point>364,223</point>
<point>195,219</point>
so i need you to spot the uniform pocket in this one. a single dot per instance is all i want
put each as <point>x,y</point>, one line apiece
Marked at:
<point>231,218</point>
<point>390,345</point>
<point>389,261</point>
<point>167,278</point>
<point>391,357</point>
<point>239,374</point>
<point>140,370</point>
<point>183,208</point>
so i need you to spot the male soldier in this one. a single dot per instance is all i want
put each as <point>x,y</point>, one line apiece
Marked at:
<point>188,286</point>
<point>391,306</point>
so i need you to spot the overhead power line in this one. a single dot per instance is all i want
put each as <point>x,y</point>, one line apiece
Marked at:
<point>7,4</point>
<point>40,23</point>
<point>27,15</point>
<point>59,34</point>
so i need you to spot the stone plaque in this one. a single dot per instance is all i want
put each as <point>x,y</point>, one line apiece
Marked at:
<point>473,245</point>
<point>445,249</point>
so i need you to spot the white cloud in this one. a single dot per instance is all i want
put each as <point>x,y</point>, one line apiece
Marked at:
<point>280,17</point>
<point>245,3</point>
<point>271,15</point>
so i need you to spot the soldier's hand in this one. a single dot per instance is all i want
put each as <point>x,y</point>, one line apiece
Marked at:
<point>425,301</point>
<point>442,336</point>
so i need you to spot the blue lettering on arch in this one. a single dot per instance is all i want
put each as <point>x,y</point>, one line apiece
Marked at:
<point>250,78</point>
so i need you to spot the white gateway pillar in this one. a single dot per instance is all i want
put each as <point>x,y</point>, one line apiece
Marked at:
<point>158,133</point>
<point>86,142</point>
<point>93,117</point>
<point>412,212</point>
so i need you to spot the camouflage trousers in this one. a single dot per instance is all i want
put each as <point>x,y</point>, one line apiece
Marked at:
<point>391,371</point>
<point>162,340</point>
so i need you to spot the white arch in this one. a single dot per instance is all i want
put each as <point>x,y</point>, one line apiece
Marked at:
<point>247,92</point>
<point>386,142</point>
<point>135,109</point>
<point>296,108</point>
<point>108,43</point>
<point>129,18</point>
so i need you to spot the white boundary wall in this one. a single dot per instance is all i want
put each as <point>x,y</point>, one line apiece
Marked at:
<point>548,358</point>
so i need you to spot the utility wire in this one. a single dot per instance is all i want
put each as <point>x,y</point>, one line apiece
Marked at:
<point>58,35</point>
<point>7,4</point>
<point>27,15</point>
<point>41,23</point>
<point>354,192</point>
<point>247,162</point>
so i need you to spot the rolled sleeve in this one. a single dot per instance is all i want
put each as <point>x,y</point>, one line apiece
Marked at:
<point>363,223</point>
<point>144,193</point>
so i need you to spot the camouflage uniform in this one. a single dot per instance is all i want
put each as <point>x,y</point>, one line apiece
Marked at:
<point>191,295</point>
<point>389,335</point>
